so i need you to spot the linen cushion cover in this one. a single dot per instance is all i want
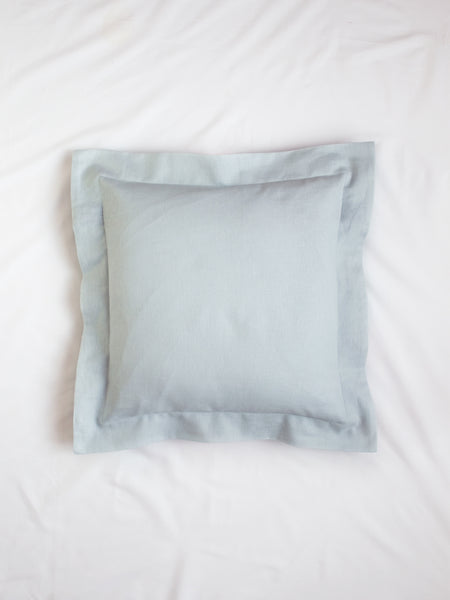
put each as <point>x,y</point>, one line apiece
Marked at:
<point>223,297</point>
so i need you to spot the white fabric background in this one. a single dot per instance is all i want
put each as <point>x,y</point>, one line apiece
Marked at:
<point>252,521</point>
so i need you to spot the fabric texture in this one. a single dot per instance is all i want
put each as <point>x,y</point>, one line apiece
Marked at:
<point>181,520</point>
<point>223,297</point>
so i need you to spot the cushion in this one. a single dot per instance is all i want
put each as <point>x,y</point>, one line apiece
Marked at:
<point>223,297</point>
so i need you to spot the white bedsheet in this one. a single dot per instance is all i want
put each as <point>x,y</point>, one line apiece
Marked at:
<point>249,521</point>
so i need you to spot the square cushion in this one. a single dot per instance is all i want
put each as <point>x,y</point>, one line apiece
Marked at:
<point>223,297</point>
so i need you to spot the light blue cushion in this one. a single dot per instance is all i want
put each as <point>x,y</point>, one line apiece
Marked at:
<point>223,297</point>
